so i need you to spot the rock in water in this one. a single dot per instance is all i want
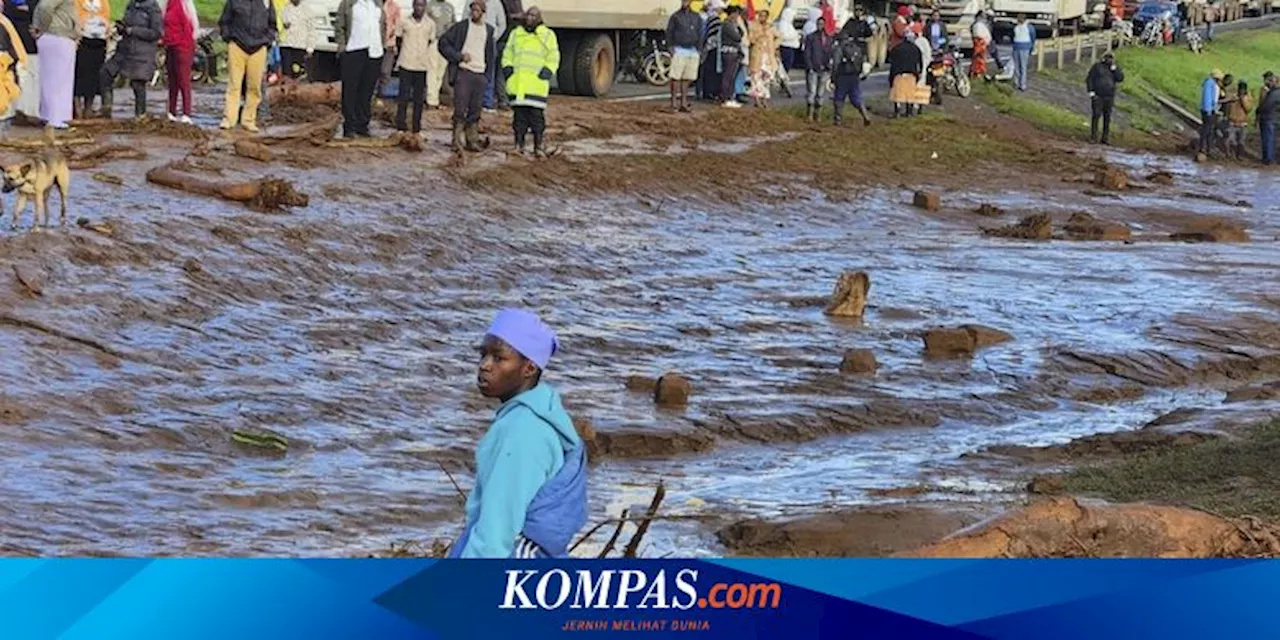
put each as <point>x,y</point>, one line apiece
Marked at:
<point>1037,226</point>
<point>1211,230</point>
<point>859,361</point>
<point>641,384</point>
<point>1113,178</point>
<point>989,210</point>
<point>1082,226</point>
<point>672,390</point>
<point>850,297</point>
<point>1161,177</point>
<point>927,200</point>
<point>961,341</point>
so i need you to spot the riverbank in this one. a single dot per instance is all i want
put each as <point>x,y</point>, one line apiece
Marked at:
<point>236,379</point>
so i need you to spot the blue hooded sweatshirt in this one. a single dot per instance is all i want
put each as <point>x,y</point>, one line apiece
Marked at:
<point>531,481</point>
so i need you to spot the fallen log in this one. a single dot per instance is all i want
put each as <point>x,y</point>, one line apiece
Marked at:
<point>312,92</point>
<point>27,144</point>
<point>317,133</point>
<point>406,141</point>
<point>246,148</point>
<point>266,194</point>
<point>98,155</point>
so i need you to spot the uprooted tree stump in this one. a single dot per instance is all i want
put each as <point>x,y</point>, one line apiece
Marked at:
<point>849,300</point>
<point>97,155</point>
<point>266,194</point>
<point>311,92</point>
<point>1038,226</point>
<point>316,133</point>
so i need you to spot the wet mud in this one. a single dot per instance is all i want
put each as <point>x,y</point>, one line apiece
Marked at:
<point>139,343</point>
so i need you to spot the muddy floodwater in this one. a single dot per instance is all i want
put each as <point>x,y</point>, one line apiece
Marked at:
<point>349,328</point>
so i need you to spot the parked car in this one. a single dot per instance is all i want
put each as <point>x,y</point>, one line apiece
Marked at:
<point>1154,10</point>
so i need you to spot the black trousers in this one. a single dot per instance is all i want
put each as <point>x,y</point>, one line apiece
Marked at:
<point>1101,107</point>
<point>499,80</point>
<point>526,119</point>
<point>730,77</point>
<point>468,95</point>
<point>139,92</point>
<point>1208,130</point>
<point>359,75</point>
<point>293,62</point>
<point>413,90</point>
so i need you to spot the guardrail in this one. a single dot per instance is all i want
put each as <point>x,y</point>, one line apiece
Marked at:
<point>1106,40</point>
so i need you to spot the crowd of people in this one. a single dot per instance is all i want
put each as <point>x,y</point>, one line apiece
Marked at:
<point>1225,107</point>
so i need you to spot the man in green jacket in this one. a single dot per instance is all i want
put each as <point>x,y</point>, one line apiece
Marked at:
<point>531,59</point>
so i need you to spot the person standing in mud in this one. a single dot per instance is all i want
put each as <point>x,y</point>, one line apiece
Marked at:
<point>1210,97</point>
<point>359,29</point>
<point>249,28</point>
<point>1101,84</point>
<point>1268,105</point>
<point>135,57</point>
<point>1238,120</point>
<point>848,69</point>
<point>530,496</point>
<point>684,30</point>
<point>731,35</point>
<point>469,48</point>
<point>417,35</point>
<point>905,67</point>
<point>817,64</point>
<point>442,13</point>
<point>528,64</point>
<point>711,70</point>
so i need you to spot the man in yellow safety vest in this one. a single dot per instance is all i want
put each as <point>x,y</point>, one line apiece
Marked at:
<point>530,60</point>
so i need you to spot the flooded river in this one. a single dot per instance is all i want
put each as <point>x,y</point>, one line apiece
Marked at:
<point>349,327</point>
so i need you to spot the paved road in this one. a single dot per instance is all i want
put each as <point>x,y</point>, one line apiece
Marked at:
<point>631,92</point>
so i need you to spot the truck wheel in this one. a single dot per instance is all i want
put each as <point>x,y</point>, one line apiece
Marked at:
<point>565,82</point>
<point>594,66</point>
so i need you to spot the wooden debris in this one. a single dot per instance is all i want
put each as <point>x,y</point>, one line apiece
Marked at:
<point>246,148</point>
<point>107,178</point>
<point>633,547</point>
<point>31,281</point>
<point>266,194</point>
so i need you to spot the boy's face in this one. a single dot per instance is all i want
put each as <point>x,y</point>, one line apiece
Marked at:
<point>503,372</point>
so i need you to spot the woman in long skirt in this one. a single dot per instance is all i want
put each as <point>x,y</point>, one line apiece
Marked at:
<point>57,22</point>
<point>95,20</point>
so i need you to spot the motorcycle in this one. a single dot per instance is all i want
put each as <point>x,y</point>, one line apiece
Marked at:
<point>946,68</point>
<point>204,65</point>
<point>648,62</point>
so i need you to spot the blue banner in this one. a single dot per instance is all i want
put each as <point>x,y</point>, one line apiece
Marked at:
<point>739,599</point>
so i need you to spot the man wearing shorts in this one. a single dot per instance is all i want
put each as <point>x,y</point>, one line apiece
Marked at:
<point>684,32</point>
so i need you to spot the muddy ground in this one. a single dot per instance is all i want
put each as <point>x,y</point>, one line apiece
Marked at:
<point>150,349</point>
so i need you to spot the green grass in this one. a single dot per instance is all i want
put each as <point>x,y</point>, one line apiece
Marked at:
<point>1233,477</point>
<point>1042,114</point>
<point>208,10</point>
<point>1178,73</point>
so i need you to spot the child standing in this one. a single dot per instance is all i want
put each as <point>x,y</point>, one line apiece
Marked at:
<point>417,37</point>
<point>530,496</point>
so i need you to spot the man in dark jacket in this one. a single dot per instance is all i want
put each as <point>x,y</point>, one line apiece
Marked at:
<point>847,61</point>
<point>817,63</point>
<point>1101,83</point>
<point>135,56</point>
<point>1267,108</point>
<point>684,35</point>
<point>249,28</point>
<point>469,48</point>
<point>731,34</point>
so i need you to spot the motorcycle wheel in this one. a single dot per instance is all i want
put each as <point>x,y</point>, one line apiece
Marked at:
<point>963,88</point>
<point>657,68</point>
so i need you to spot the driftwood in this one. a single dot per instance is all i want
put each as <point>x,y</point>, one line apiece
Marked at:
<point>311,92</point>
<point>97,155</point>
<point>266,194</point>
<point>27,144</point>
<point>406,141</point>
<point>633,547</point>
<point>107,178</point>
<point>246,148</point>
<point>317,133</point>
<point>29,280</point>
<point>613,539</point>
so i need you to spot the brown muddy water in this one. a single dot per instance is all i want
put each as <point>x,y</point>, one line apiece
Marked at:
<point>349,327</point>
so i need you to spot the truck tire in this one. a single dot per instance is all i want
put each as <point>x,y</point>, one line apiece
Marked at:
<point>594,65</point>
<point>566,82</point>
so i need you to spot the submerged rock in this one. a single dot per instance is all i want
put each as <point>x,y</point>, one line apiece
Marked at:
<point>1082,226</point>
<point>1037,226</point>
<point>1211,230</point>
<point>859,361</point>
<point>672,390</point>
<point>927,200</point>
<point>962,341</point>
<point>1113,178</point>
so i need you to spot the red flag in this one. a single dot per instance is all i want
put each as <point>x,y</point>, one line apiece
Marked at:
<point>829,16</point>
<point>751,10</point>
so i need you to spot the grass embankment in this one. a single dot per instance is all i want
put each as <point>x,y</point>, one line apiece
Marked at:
<point>1236,477</point>
<point>1178,73</point>
<point>1067,122</point>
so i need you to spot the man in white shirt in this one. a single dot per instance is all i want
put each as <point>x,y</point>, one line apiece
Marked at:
<point>358,29</point>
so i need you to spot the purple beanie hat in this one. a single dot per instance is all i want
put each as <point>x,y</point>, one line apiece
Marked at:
<point>526,334</point>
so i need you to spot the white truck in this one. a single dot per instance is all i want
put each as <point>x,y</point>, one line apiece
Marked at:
<point>1046,15</point>
<point>959,16</point>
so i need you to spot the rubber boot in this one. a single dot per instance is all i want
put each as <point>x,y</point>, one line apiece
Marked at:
<point>539,150</point>
<point>473,138</point>
<point>107,101</point>
<point>839,119</point>
<point>520,142</point>
<point>817,113</point>
<point>808,112</point>
<point>457,136</point>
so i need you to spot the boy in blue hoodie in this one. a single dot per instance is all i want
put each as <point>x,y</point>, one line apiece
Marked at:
<point>530,496</point>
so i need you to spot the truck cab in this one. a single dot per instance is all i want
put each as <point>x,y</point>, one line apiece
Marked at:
<point>1046,15</point>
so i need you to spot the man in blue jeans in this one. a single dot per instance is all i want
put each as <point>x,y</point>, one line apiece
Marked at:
<point>1024,42</point>
<point>1267,108</point>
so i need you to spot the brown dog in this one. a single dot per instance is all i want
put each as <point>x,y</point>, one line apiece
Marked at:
<point>35,179</point>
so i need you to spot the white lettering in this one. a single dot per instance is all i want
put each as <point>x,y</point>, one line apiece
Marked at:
<point>686,587</point>
<point>588,590</point>
<point>541,593</point>
<point>656,590</point>
<point>633,581</point>
<point>515,589</point>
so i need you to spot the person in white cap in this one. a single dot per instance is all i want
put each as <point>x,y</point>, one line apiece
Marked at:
<point>530,496</point>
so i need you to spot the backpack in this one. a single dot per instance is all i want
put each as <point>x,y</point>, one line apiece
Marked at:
<point>849,57</point>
